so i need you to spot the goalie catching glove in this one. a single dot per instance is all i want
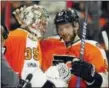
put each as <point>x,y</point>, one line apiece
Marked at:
<point>87,72</point>
<point>59,75</point>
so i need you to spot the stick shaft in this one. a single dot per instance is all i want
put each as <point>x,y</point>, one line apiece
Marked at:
<point>83,37</point>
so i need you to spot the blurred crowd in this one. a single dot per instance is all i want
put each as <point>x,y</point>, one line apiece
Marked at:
<point>98,21</point>
<point>98,16</point>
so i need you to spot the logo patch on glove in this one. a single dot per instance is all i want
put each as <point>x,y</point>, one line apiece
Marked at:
<point>64,72</point>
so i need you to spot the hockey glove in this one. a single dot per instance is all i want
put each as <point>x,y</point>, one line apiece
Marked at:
<point>87,72</point>
<point>64,71</point>
<point>59,75</point>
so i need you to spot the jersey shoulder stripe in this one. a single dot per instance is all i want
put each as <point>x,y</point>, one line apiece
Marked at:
<point>17,32</point>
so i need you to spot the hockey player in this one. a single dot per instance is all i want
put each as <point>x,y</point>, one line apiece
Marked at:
<point>92,69</point>
<point>22,46</point>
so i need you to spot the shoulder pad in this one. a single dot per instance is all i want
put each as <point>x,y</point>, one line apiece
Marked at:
<point>94,43</point>
<point>17,32</point>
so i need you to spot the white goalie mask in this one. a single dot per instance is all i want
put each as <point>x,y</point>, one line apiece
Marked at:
<point>31,18</point>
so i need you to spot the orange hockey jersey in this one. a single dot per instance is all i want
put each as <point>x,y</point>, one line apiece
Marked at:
<point>16,48</point>
<point>92,54</point>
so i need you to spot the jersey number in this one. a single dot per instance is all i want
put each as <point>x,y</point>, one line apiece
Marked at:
<point>29,53</point>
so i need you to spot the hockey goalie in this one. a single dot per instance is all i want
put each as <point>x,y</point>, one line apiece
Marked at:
<point>22,47</point>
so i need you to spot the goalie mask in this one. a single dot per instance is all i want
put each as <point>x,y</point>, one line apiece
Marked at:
<point>34,19</point>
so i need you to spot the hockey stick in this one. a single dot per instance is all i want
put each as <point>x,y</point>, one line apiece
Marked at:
<point>83,37</point>
<point>105,38</point>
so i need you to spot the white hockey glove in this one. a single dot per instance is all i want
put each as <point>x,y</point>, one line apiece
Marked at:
<point>64,72</point>
<point>59,75</point>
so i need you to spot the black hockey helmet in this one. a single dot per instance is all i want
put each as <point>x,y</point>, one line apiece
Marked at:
<point>66,16</point>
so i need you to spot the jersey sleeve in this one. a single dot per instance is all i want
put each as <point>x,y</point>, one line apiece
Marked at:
<point>97,57</point>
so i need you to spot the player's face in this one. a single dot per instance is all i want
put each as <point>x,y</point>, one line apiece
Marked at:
<point>41,26</point>
<point>66,31</point>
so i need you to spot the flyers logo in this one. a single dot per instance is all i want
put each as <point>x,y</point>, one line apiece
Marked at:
<point>31,53</point>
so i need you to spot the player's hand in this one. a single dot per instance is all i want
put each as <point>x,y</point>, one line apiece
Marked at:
<point>87,72</point>
<point>83,69</point>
